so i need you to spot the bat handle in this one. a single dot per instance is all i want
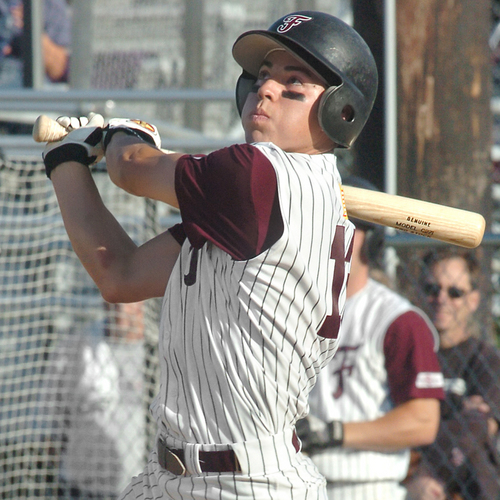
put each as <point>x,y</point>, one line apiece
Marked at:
<point>46,129</point>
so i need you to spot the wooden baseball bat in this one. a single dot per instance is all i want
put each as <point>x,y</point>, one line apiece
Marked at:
<point>439,222</point>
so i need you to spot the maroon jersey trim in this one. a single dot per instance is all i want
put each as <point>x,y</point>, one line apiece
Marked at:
<point>177,231</point>
<point>230,198</point>
<point>407,345</point>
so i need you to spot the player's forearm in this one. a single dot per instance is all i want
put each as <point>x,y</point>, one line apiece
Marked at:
<point>97,238</point>
<point>414,423</point>
<point>142,169</point>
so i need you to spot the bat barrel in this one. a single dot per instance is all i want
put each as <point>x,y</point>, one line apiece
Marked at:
<point>439,222</point>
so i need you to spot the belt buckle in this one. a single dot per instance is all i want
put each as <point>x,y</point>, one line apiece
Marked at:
<point>237,465</point>
<point>170,461</point>
<point>174,463</point>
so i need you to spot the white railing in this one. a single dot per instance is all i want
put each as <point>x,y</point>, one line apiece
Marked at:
<point>23,106</point>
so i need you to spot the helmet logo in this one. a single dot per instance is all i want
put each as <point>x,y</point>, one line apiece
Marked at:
<point>290,22</point>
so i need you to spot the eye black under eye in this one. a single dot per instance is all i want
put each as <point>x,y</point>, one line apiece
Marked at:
<point>295,96</point>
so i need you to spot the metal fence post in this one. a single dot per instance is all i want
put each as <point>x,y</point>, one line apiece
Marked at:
<point>80,71</point>
<point>34,71</point>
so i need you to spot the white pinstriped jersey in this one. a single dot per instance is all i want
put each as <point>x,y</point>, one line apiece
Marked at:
<point>241,343</point>
<point>249,351</point>
<point>386,356</point>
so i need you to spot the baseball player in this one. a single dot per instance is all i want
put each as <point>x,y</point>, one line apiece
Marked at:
<point>254,279</point>
<point>380,393</point>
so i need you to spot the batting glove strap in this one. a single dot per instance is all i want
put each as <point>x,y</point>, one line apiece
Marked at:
<point>316,438</point>
<point>331,436</point>
<point>336,433</point>
<point>86,151</point>
<point>137,128</point>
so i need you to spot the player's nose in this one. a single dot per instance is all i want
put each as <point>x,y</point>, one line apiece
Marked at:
<point>269,89</point>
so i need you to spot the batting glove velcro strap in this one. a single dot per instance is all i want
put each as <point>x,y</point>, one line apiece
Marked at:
<point>336,433</point>
<point>317,435</point>
<point>83,145</point>
<point>138,128</point>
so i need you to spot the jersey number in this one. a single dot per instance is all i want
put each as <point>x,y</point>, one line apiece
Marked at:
<point>330,328</point>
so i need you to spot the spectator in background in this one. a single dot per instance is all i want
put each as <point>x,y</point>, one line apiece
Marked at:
<point>56,39</point>
<point>91,405</point>
<point>380,392</point>
<point>463,462</point>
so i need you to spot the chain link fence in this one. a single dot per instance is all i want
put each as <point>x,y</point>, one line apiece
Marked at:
<point>77,374</point>
<point>55,330</point>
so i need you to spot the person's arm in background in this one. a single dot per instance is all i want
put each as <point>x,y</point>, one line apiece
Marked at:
<point>415,387</point>
<point>477,403</point>
<point>425,487</point>
<point>412,423</point>
<point>56,39</point>
<point>410,362</point>
<point>55,59</point>
<point>412,373</point>
<point>485,380</point>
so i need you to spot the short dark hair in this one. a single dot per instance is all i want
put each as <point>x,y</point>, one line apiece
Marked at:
<point>439,254</point>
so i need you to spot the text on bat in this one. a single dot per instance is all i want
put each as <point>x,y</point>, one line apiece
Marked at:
<point>418,221</point>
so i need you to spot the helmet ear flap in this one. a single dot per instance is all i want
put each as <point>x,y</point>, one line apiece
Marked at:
<point>244,86</point>
<point>343,113</point>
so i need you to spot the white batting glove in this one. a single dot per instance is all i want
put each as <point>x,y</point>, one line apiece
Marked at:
<point>73,122</point>
<point>82,144</point>
<point>138,128</point>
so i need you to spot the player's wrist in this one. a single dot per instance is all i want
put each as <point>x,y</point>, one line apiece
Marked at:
<point>68,170</point>
<point>66,154</point>
<point>110,133</point>
<point>135,128</point>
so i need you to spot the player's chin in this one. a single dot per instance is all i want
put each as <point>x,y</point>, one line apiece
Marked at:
<point>255,134</point>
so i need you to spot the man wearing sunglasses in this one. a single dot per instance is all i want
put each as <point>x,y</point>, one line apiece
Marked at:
<point>463,459</point>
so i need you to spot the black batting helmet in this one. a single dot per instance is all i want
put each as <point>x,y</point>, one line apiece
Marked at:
<point>333,50</point>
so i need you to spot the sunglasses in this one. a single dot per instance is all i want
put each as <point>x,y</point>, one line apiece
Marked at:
<point>433,290</point>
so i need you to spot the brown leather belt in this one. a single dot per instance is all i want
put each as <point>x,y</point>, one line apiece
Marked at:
<point>210,461</point>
